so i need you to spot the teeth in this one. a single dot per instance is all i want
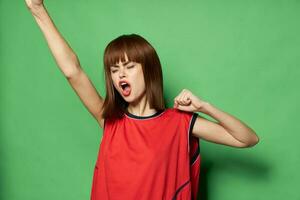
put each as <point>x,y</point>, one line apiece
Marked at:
<point>123,85</point>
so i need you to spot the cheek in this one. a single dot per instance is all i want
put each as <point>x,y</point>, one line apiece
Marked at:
<point>140,83</point>
<point>139,77</point>
<point>114,83</point>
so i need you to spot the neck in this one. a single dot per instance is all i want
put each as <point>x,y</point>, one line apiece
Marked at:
<point>141,107</point>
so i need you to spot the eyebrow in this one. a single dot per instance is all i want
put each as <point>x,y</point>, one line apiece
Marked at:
<point>125,63</point>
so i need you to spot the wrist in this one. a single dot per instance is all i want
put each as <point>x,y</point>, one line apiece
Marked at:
<point>205,108</point>
<point>36,9</point>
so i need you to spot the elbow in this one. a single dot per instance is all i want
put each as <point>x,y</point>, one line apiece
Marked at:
<point>71,68</point>
<point>70,73</point>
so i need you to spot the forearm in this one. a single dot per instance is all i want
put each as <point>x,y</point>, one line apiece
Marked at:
<point>64,56</point>
<point>234,126</point>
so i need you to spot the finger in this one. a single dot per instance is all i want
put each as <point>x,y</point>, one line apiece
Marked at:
<point>186,98</point>
<point>177,99</point>
<point>176,102</point>
<point>182,98</point>
<point>182,107</point>
<point>175,105</point>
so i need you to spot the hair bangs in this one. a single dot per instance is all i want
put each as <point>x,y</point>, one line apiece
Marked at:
<point>115,51</point>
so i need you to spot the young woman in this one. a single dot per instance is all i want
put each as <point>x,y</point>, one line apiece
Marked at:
<point>147,151</point>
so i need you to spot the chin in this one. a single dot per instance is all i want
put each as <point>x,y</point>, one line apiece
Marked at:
<point>127,99</point>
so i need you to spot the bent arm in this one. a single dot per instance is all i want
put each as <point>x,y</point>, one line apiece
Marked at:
<point>229,130</point>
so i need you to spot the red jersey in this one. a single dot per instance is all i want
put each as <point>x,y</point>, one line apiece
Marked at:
<point>148,158</point>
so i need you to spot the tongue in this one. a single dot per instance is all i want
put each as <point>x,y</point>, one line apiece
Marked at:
<point>126,91</point>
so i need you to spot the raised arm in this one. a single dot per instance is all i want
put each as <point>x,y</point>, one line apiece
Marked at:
<point>67,60</point>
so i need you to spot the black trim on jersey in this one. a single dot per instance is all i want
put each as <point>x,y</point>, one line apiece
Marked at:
<point>195,155</point>
<point>180,188</point>
<point>143,117</point>
<point>194,117</point>
<point>197,152</point>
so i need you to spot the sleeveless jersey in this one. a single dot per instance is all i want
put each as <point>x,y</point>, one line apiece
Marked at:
<point>148,158</point>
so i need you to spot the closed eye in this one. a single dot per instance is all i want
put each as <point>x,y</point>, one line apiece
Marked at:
<point>129,67</point>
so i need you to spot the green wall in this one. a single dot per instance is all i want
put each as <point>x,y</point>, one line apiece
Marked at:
<point>242,56</point>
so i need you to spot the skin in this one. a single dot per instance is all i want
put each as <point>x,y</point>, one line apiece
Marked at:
<point>228,130</point>
<point>33,2</point>
<point>133,73</point>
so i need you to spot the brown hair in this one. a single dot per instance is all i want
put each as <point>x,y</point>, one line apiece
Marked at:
<point>138,50</point>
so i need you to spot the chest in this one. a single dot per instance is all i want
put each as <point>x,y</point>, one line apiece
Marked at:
<point>143,143</point>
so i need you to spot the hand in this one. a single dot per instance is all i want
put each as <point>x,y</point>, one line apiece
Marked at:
<point>186,101</point>
<point>31,4</point>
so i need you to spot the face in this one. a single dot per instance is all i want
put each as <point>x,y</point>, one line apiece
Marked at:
<point>132,73</point>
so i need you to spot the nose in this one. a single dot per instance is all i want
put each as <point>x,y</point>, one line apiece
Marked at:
<point>122,72</point>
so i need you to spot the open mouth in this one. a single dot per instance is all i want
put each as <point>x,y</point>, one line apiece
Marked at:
<point>124,86</point>
<point>126,89</point>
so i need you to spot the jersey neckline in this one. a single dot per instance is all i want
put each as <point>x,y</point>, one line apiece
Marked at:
<point>128,114</point>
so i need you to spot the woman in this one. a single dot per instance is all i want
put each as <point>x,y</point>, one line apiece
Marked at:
<point>147,151</point>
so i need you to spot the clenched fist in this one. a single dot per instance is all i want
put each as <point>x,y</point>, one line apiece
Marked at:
<point>187,101</point>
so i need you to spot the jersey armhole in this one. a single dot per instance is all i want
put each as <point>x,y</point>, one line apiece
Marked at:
<point>192,122</point>
<point>190,129</point>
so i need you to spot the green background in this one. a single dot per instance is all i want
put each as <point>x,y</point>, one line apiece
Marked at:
<point>242,56</point>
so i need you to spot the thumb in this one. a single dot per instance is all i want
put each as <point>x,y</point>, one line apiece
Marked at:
<point>175,104</point>
<point>180,107</point>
